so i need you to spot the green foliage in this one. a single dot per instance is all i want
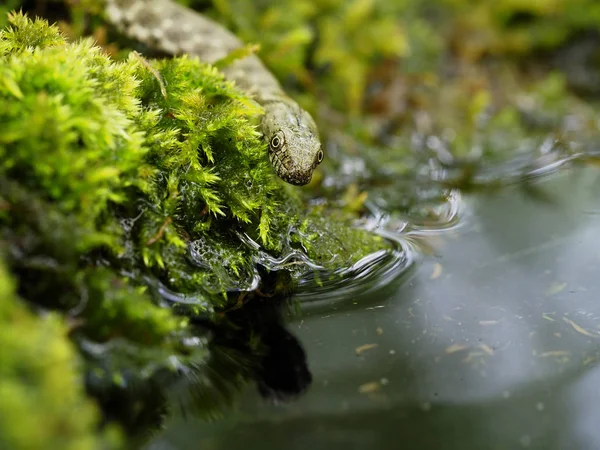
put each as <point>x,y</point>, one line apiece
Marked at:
<point>121,181</point>
<point>64,133</point>
<point>43,404</point>
<point>101,133</point>
<point>5,8</point>
<point>125,183</point>
<point>212,147</point>
<point>327,247</point>
<point>350,37</point>
<point>332,49</point>
<point>72,147</point>
<point>518,27</point>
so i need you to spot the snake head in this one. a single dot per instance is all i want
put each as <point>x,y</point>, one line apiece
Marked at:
<point>294,146</point>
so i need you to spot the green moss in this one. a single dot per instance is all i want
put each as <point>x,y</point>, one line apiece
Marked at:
<point>518,27</point>
<point>64,134</point>
<point>127,185</point>
<point>5,8</point>
<point>350,37</point>
<point>41,384</point>
<point>101,133</point>
<point>123,183</point>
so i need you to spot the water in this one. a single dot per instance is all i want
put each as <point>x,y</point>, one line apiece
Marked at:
<point>492,342</point>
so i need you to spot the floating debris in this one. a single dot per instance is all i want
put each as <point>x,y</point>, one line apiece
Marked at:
<point>456,348</point>
<point>487,349</point>
<point>369,388</point>
<point>437,271</point>
<point>555,288</point>
<point>580,329</point>
<point>364,348</point>
<point>555,354</point>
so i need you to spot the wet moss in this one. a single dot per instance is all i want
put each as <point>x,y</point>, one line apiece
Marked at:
<point>125,185</point>
<point>106,141</point>
<point>129,184</point>
<point>43,405</point>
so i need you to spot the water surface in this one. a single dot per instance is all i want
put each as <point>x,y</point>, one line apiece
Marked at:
<point>492,342</point>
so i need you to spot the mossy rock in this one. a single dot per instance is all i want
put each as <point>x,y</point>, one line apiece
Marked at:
<point>145,160</point>
<point>126,184</point>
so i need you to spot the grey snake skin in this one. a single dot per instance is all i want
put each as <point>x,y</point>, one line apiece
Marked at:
<point>291,133</point>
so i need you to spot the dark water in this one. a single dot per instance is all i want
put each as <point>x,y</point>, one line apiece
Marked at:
<point>492,343</point>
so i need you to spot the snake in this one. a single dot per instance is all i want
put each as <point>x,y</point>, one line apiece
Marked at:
<point>292,136</point>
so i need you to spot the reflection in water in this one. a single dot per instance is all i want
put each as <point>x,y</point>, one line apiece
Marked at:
<point>225,352</point>
<point>533,412</point>
<point>482,343</point>
<point>247,342</point>
<point>380,273</point>
<point>494,343</point>
<point>270,354</point>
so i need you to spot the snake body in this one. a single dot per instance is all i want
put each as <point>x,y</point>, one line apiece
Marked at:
<point>291,133</point>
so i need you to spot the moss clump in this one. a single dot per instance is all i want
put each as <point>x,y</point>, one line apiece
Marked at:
<point>5,8</point>
<point>139,170</point>
<point>127,185</point>
<point>41,382</point>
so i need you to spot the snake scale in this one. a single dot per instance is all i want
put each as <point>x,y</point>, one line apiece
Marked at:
<point>291,133</point>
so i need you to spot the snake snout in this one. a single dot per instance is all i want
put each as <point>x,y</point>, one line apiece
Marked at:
<point>297,178</point>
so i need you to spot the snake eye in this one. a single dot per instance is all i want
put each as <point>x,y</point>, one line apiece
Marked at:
<point>276,142</point>
<point>319,156</point>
